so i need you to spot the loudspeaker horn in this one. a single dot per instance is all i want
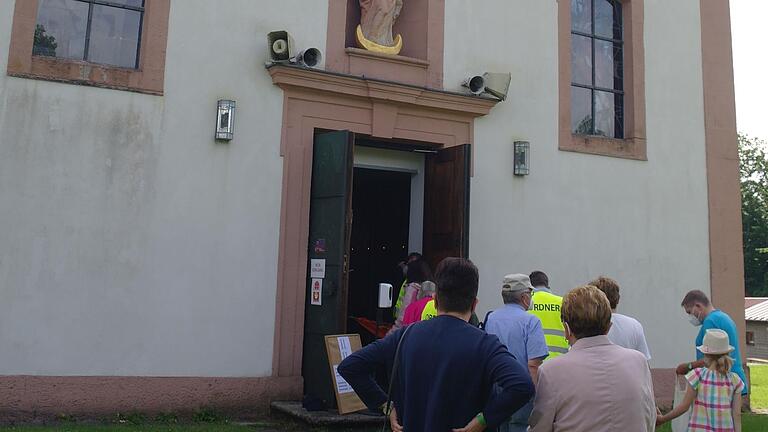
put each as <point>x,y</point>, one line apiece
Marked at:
<point>497,84</point>
<point>475,84</point>
<point>279,47</point>
<point>310,57</point>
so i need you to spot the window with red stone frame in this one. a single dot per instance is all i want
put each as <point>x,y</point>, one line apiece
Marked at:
<point>607,34</point>
<point>80,45</point>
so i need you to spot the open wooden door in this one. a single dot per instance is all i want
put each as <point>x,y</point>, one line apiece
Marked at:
<point>446,204</point>
<point>330,221</point>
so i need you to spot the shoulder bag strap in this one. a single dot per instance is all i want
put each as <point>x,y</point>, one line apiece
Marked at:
<point>484,324</point>
<point>392,377</point>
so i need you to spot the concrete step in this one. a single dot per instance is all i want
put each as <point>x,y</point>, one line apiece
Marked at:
<point>294,410</point>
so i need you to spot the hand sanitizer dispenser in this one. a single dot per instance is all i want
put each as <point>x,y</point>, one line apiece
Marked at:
<point>385,295</point>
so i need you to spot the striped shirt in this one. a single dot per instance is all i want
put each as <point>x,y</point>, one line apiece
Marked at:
<point>714,395</point>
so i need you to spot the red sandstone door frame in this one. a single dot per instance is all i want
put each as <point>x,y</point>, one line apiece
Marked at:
<point>446,223</point>
<point>315,100</point>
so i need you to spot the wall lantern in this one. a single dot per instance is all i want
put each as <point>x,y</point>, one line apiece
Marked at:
<point>522,158</point>
<point>225,120</point>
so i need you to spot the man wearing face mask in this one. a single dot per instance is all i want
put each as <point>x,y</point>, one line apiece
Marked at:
<point>703,314</point>
<point>522,334</point>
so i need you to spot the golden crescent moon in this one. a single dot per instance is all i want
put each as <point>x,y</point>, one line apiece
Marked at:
<point>373,46</point>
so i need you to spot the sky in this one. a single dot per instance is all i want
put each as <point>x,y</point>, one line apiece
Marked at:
<point>749,29</point>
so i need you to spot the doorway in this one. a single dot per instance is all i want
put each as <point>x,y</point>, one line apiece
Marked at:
<point>381,204</point>
<point>348,256</point>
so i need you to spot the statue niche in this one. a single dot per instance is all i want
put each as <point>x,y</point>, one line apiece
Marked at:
<point>374,32</point>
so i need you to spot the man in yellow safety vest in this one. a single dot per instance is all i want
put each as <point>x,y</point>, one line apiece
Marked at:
<point>546,306</point>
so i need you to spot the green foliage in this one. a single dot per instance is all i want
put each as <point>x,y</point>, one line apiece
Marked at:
<point>65,418</point>
<point>216,427</point>
<point>753,158</point>
<point>134,418</point>
<point>208,415</point>
<point>584,127</point>
<point>168,418</point>
<point>44,44</point>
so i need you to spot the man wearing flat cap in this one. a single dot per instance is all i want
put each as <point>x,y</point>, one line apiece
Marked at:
<point>522,333</point>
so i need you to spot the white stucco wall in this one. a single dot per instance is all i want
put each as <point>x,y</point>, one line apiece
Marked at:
<point>131,242</point>
<point>579,216</point>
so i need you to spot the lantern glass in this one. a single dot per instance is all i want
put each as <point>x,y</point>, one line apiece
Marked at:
<point>522,164</point>
<point>225,120</point>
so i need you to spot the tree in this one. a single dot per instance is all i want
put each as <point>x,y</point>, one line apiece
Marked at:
<point>45,44</point>
<point>753,159</point>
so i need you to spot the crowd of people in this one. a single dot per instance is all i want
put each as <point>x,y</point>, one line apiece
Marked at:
<point>541,362</point>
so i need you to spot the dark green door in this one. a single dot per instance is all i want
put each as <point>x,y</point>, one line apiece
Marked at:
<point>330,221</point>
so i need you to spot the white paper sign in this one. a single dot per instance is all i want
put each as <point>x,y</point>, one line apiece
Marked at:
<point>317,268</point>
<point>345,347</point>
<point>341,384</point>
<point>317,292</point>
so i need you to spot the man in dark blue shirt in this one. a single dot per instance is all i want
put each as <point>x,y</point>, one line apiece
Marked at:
<point>446,367</point>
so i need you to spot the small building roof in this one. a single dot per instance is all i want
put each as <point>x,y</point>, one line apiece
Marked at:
<point>758,311</point>
<point>751,301</point>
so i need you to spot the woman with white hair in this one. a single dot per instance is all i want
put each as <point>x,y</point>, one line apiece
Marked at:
<point>413,312</point>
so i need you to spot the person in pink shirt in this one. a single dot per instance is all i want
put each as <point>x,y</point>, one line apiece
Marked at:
<point>414,310</point>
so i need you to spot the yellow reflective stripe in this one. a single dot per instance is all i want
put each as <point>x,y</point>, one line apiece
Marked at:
<point>399,302</point>
<point>400,296</point>
<point>430,311</point>
<point>558,350</point>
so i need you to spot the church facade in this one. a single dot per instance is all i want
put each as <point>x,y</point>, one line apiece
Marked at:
<point>165,250</point>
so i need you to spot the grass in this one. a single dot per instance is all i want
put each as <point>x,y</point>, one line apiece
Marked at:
<point>208,424</point>
<point>219,427</point>
<point>759,397</point>
<point>749,422</point>
<point>191,427</point>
